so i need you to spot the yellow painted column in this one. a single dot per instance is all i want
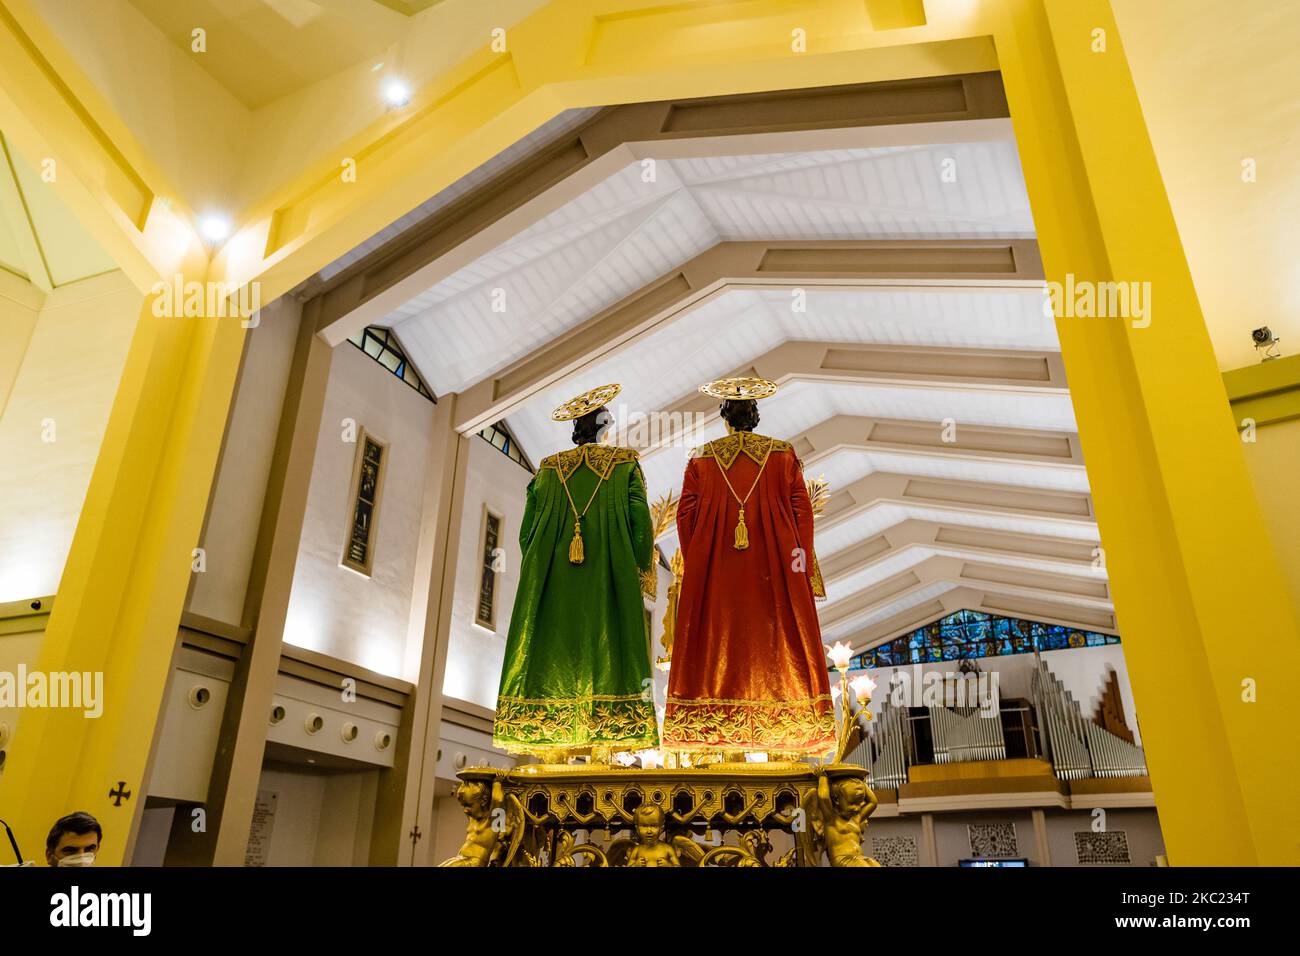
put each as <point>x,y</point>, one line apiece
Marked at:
<point>124,584</point>
<point>1198,592</point>
<point>1210,632</point>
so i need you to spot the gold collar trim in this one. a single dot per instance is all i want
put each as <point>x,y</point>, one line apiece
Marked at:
<point>599,458</point>
<point>727,450</point>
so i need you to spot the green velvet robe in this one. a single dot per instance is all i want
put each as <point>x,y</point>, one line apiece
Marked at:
<point>576,673</point>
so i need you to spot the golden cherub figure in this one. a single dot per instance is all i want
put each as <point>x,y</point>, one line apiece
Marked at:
<point>650,849</point>
<point>479,802</point>
<point>845,806</point>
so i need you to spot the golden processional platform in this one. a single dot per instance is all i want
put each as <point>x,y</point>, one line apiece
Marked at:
<point>561,815</point>
<point>602,814</point>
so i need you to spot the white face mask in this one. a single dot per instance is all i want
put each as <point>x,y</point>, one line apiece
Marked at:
<point>84,859</point>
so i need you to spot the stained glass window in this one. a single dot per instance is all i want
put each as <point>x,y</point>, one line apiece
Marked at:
<point>969,634</point>
<point>499,437</point>
<point>382,346</point>
<point>367,485</point>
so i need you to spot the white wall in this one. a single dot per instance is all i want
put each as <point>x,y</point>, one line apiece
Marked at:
<point>321,819</point>
<point>67,381</point>
<point>952,838</point>
<point>154,835</point>
<point>16,649</point>
<point>475,654</point>
<point>1141,828</point>
<point>240,488</point>
<point>333,609</point>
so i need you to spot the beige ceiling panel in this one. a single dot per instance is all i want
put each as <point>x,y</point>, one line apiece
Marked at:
<point>261,50</point>
<point>19,252</point>
<point>11,253</point>
<point>68,250</point>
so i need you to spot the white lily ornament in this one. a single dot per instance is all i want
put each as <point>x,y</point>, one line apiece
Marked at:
<point>863,686</point>
<point>841,655</point>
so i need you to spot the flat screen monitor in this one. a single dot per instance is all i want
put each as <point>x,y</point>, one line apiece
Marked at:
<point>1022,862</point>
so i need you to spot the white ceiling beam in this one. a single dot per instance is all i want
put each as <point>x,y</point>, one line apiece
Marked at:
<point>859,116</point>
<point>947,494</point>
<point>967,264</point>
<point>1090,595</point>
<point>980,545</point>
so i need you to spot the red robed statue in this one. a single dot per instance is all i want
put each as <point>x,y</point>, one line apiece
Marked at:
<point>748,668</point>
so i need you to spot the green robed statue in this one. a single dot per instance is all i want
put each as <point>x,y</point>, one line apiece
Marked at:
<point>577,663</point>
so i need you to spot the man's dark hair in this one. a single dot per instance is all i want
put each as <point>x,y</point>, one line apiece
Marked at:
<point>78,824</point>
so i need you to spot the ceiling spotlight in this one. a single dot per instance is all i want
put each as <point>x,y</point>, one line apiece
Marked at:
<point>396,93</point>
<point>1266,344</point>
<point>214,228</point>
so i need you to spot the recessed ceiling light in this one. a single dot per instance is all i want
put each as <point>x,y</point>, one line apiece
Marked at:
<point>214,228</point>
<point>396,93</point>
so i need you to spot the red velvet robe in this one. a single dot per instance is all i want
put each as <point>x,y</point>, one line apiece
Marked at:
<point>749,670</point>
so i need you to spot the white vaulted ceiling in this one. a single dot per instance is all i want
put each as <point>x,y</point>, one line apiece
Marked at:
<point>845,631</point>
<point>578,257</point>
<point>734,328</point>
<point>801,405</point>
<point>627,231</point>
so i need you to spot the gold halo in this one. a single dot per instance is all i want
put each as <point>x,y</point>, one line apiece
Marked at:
<point>586,403</point>
<point>740,389</point>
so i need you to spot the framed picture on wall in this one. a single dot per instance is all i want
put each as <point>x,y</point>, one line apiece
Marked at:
<point>363,503</point>
<point>491,565</point>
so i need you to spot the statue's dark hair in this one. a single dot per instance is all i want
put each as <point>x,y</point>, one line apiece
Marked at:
<point>740,413</point>
<point>587,429</point>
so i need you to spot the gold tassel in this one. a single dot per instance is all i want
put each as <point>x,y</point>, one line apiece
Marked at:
<point>742,533</point>
<point>576,553</point>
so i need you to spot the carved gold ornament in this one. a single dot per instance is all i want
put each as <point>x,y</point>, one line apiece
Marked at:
<point>533,816</point>
<point>740,389</point>
<point>586,403</point>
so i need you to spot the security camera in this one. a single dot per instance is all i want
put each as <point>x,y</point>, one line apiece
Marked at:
<point>1265,343</point>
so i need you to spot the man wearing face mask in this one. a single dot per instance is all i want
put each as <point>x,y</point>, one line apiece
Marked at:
<point>73,841</point>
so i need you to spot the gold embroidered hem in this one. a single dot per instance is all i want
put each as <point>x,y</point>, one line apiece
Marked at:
<point>539,725</point>
<point>818,585</point>
<point>788,726</point>
<point>727,450</point>
<point>601,459</point>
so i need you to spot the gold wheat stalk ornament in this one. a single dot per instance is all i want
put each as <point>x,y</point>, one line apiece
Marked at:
<point>819,494</point>
<point>663,513</point>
